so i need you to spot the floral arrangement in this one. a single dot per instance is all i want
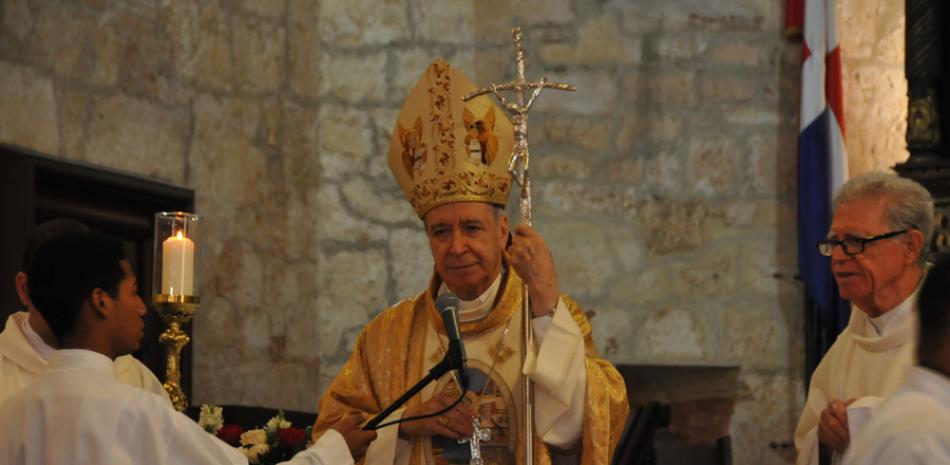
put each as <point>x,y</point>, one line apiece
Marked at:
<point>275,442</point>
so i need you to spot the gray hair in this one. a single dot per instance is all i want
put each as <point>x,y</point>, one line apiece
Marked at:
<point>909,205</point>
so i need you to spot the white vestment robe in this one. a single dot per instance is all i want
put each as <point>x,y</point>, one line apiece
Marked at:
<point>912,427</point>
<point>23,356</point>
<point>556,366</point>
<point>77,413</point>
<point>869,359</point>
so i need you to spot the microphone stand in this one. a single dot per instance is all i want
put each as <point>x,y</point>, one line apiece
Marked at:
<point>451,361</point>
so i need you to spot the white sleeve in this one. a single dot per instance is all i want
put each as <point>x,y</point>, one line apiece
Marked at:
<point>330,449</point>
<point>388,448</point>
<point>190,444</point>
<point>558,369</point>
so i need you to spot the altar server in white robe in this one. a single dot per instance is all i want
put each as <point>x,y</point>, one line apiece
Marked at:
<point>877,242</point>
<point>913,426</point>
<point>27,343</point>
<point>76,411</point>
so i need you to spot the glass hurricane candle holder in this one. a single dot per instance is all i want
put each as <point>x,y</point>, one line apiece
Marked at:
<point>175,290</point>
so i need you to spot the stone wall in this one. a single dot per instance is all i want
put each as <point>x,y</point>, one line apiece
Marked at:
<point>666,184</point>
<point>875,90</point>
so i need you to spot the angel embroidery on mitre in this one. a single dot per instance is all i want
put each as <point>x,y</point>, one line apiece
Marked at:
<point>481,144</point>
<point>413,149</point>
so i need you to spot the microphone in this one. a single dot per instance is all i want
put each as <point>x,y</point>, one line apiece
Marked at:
<point>448,306</point>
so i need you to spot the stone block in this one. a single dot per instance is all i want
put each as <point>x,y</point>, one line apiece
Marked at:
<point>274,9</point>
<point>352,287</point>
<point>773,163</point>
<point>767,414</point>
<point>261,47</point>
<point>236,273</point>
<point>619,171</point>
<point>714,165</point>
<point>118,125</point>
<point>670,87</point>
<point>596,94</point>
<point>63,41</point>
<point>758,337</point>
<point>612,330</point>
<point>727,87</point>
<point>743,50</point>
<point>625,245</point>
<point>563,166</point>
<point>363,22</point>
<point>450,22</point>
<point>35,123</point>
<point>300,146</point>
<point>579,249</point>
<point>664,172</point>
<point>678,47</point>
<point>674,335</point>
<point>384,204</point>
<point>346,140</point>
<point>200,44</point>
<point>16,20</point>
<point>338,222</point>
<point>565,196</point>
<point>651,284</point>
<point>857,19</point>
<point>590,134</point>
<point>148,53</point>
<point>355,77</point>
<point>600,42</point>
<point>303,56</point>
<point>411,259</point>
<point>73,114</point>
<point>677,225</point>
<point>714,273</point>
<point>496,18</point>
<point>383,121</point>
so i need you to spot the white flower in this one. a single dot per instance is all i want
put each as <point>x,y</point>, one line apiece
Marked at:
<point>254,437</point>
<point>277,423</point>
<point>255,452</point>
<point>211,418</point>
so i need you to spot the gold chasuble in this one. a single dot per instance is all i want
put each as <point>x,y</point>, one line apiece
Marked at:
<point>401,344</point>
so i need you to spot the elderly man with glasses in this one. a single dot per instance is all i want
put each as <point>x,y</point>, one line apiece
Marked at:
<point>877,244</point>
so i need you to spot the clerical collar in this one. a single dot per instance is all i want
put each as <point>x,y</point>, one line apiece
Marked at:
<point>883,324</point>
<point>479,307</point>
<point>39,345</point>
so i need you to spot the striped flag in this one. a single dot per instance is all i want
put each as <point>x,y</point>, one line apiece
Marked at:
<point>822,160</point>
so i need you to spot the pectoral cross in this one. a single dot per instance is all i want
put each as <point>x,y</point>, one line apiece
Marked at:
<point>479,434</point>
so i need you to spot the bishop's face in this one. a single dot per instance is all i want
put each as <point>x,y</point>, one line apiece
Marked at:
<point>467,241</point>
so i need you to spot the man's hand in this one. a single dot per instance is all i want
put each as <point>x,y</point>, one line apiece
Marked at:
<point>531,258</point>
<point>455,424</point>
<point>833,425</point>
<point>356,439</point>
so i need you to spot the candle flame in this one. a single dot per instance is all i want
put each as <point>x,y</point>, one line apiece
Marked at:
<point>179,235</point>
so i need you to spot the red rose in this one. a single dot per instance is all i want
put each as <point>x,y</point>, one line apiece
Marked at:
<point>231,434</point>
<point>291,437</point>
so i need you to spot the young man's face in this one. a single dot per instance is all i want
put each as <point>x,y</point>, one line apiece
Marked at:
<point>129,310</point>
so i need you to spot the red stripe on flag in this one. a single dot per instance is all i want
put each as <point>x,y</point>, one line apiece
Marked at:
<point>833,92</point>
<point>806,52</point>
<point>794,17</point>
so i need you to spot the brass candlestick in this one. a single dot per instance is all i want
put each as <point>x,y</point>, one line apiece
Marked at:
<point>175,287</point>
<point>177,311</point>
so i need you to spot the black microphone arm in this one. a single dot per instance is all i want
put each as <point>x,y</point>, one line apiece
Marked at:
<point>454,359</point>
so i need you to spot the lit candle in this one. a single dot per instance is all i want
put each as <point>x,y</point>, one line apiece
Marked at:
<point>178,265</point>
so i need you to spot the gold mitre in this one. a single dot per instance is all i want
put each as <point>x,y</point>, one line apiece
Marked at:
<point>444,150</point>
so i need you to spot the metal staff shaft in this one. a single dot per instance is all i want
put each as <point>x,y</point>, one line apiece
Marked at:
<point>518,167</point>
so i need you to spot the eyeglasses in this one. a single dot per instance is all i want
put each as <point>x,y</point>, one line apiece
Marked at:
<point>852,245</point>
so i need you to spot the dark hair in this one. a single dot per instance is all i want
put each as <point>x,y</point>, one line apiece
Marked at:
<point>45,232</point>
<point>933,304</point>
<point>66,269</point>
